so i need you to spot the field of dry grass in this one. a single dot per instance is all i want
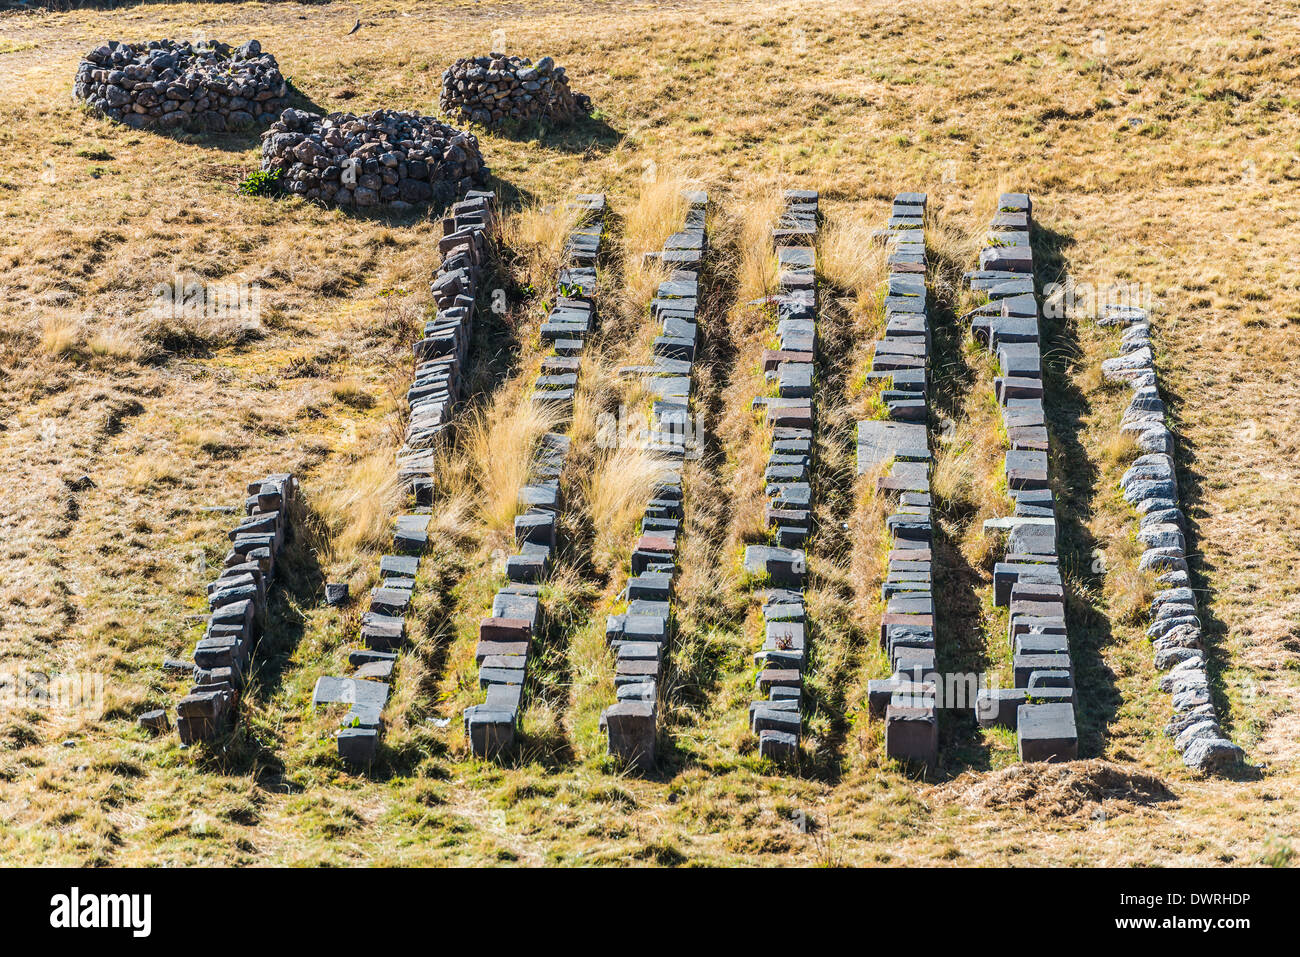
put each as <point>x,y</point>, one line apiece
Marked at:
<point>1159,142</point>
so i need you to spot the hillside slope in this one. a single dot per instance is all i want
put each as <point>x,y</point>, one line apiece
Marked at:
<point>1160,146</point>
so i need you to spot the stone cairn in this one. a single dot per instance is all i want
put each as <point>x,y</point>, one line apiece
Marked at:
<point>1040,705</point>
<point>237,600</point>
<point>639,636</point>
<point>777,719</point>
<point>496,89</point>
<point>907,699</point>
<point>169,84</point>
<point>505,638</point>
<point>440,359</point>
<point>386,158</point>
<point>1151,486</point>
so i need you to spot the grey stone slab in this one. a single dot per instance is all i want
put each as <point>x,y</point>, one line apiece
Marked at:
<point>1047,732</point>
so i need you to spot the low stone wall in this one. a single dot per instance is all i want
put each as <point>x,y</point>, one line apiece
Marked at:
<point>778,718</point>
<point>440,359</point>
<point>386,158</point>
<point>504,651</point>
<point>1150,485</point>
<point>238,602</point>
<point>640,636</point>
<point>907,699</point>
<point>169,84</point>
<point>496,89</point>
<point>1040,703</point>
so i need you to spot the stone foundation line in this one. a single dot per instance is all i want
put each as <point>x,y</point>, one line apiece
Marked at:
<point>778,718</point>
<point>640,635</point>
<point>1040,705</point>
<point>440,365</point>
<point>237,600</point>
<point>900,362</point>
<point>505,641</point>
<point>1150,486</point>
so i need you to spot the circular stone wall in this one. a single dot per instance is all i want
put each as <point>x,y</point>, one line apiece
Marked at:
<point>386,158</point>
<point>495,89</point>
<point>169,84</point>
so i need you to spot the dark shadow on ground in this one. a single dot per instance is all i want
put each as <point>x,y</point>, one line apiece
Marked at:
<point>588,135</point>
<point>233,141</point>
<point>1201,571</point>
<point>1076,482</point>
<point>691,683</point>
<point>961,648</point>
<point>299,583</point>
<point>832,624</point>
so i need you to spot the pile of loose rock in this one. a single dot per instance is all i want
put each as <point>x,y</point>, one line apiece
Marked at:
<point>495,89</point>
<point>505,638</point>
<point>238,602</point>
<point>168,84</point>
<point>778,719</point>
<point>1040,705</point>
<point>1151,486</point>
<point>907,699</point>
<point>440,359</point>
<point>639,636</point>
<point>385,158</point>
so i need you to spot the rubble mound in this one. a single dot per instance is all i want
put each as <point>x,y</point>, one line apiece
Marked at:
<point>385,158</point>
<point>169,84</point>
<point>496,89</point>
<point>1071,789</point>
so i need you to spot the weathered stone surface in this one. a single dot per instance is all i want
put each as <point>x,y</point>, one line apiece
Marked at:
<point>169,84</point>
<point>382,158</point>
<point>498,89</point>
<point>1212,754</point>
<point>1046,732</point>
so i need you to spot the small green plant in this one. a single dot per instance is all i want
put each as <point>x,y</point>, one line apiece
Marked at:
<point>261,182</point>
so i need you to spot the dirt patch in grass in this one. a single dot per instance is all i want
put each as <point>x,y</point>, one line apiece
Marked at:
<point>1076,789</point>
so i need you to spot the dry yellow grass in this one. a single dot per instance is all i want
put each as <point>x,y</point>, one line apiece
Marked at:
<point>616,489</point>
<point>500,446</point>
<point>536,235</point>
<point>1166,158</point>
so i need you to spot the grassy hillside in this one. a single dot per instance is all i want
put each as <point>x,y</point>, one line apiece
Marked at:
<point>1159,142</point>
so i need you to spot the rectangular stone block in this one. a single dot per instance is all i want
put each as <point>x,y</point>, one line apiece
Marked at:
<point>1047,732</point>
<point>912,735</point>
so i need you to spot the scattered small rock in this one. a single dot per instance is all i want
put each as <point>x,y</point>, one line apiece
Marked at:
<point>336,594</point>
<point>155,720</point>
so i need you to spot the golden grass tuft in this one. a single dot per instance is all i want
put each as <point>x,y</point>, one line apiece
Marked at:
<point>60,336</point>
<point>756,271</point>
<point>499,448</point>
<point>658,211</point>
<point>535,235</point>
<point>849,259</point>
<point>616,489</point>
<point>357,508</point>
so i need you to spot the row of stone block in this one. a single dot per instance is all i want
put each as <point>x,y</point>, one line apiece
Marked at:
<point>790,372</point>
<point>1150,486</point>
<point>505,639</point>
<point>900,365</point>
<point>237,600</point>
<point>440,357</point>
<point>1040,705</point>
<point>640,635</point>
<point>440,354</point>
